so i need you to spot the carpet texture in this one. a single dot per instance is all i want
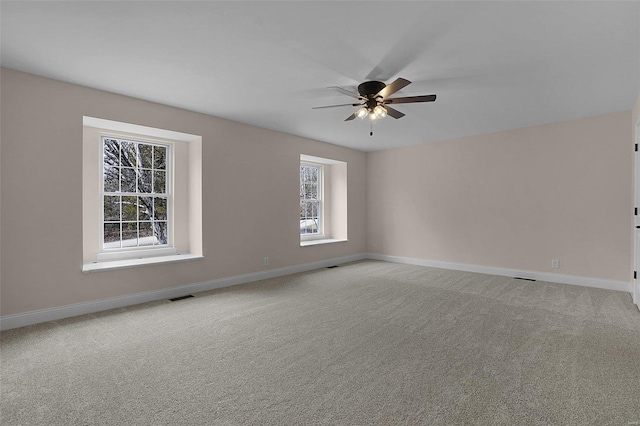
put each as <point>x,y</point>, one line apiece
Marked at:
<point>368,343</point>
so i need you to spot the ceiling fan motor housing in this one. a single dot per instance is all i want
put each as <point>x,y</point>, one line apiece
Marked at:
<point>369,89</point>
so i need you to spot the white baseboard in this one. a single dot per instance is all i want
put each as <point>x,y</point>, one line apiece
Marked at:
<point>8,322</point>
<point>539,276</point>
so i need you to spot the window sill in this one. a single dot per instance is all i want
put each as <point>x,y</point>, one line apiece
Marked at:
<point>317,242</point>
<point>130,263</point>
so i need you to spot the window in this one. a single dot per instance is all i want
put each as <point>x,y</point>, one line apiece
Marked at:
<point>323,200</point>
<point>311,217</point>
<point>136,194</point>
<point>141,195</point>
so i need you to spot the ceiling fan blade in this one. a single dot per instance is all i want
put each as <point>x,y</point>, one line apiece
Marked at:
<point>394,112</point>
<point>392,88</point>
<point>346,92</point>
<point>351,117</point>
<point>411,99</point>
<point>335,106</point>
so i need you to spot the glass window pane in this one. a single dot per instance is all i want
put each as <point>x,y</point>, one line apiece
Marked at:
<point>111,208</point>
<point>145,234</point>
<point>128,180</point>
<point>309,209</point>
<point>310,191</point>
<point>160,208</point>
<point>111,179</point>
<point>111,235</point>
<point>160,232</point>
<point>128,154</point>
<point>309,174</point>
<point>144,181</point>
<point>308,226</point>
<point>145,153</point>
<point>159,157</point>
<point>159,178</point>
<point>129,234</point>
<point>309,182</point>
<point>308,217</point>
<point>129,208</point>
<point>145,208</point>
<point>111,152</point>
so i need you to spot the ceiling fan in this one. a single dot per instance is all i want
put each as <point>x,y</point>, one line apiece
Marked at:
<point>373,99</point>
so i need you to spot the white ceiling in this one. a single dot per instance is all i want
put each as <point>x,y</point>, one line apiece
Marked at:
<point>493,65</point>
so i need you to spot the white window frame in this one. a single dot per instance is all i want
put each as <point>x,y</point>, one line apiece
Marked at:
<point>138,252</point>
<point>321,225</point>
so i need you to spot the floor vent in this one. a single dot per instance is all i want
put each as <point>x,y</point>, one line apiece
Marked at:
<point>524,279</point>
<point>331,267</point>
<point>175,299</point>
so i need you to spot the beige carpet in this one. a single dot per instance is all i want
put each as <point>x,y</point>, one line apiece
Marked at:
<point>366,343</point>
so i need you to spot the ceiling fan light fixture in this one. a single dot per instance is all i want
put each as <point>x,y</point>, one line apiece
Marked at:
<point>380,111</point>
<point>362,113</point>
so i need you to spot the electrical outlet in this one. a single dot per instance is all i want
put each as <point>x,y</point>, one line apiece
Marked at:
<point>555,264</point>
<point>266,261</point>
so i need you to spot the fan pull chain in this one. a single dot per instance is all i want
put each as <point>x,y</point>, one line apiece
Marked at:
<point>370,129</point>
